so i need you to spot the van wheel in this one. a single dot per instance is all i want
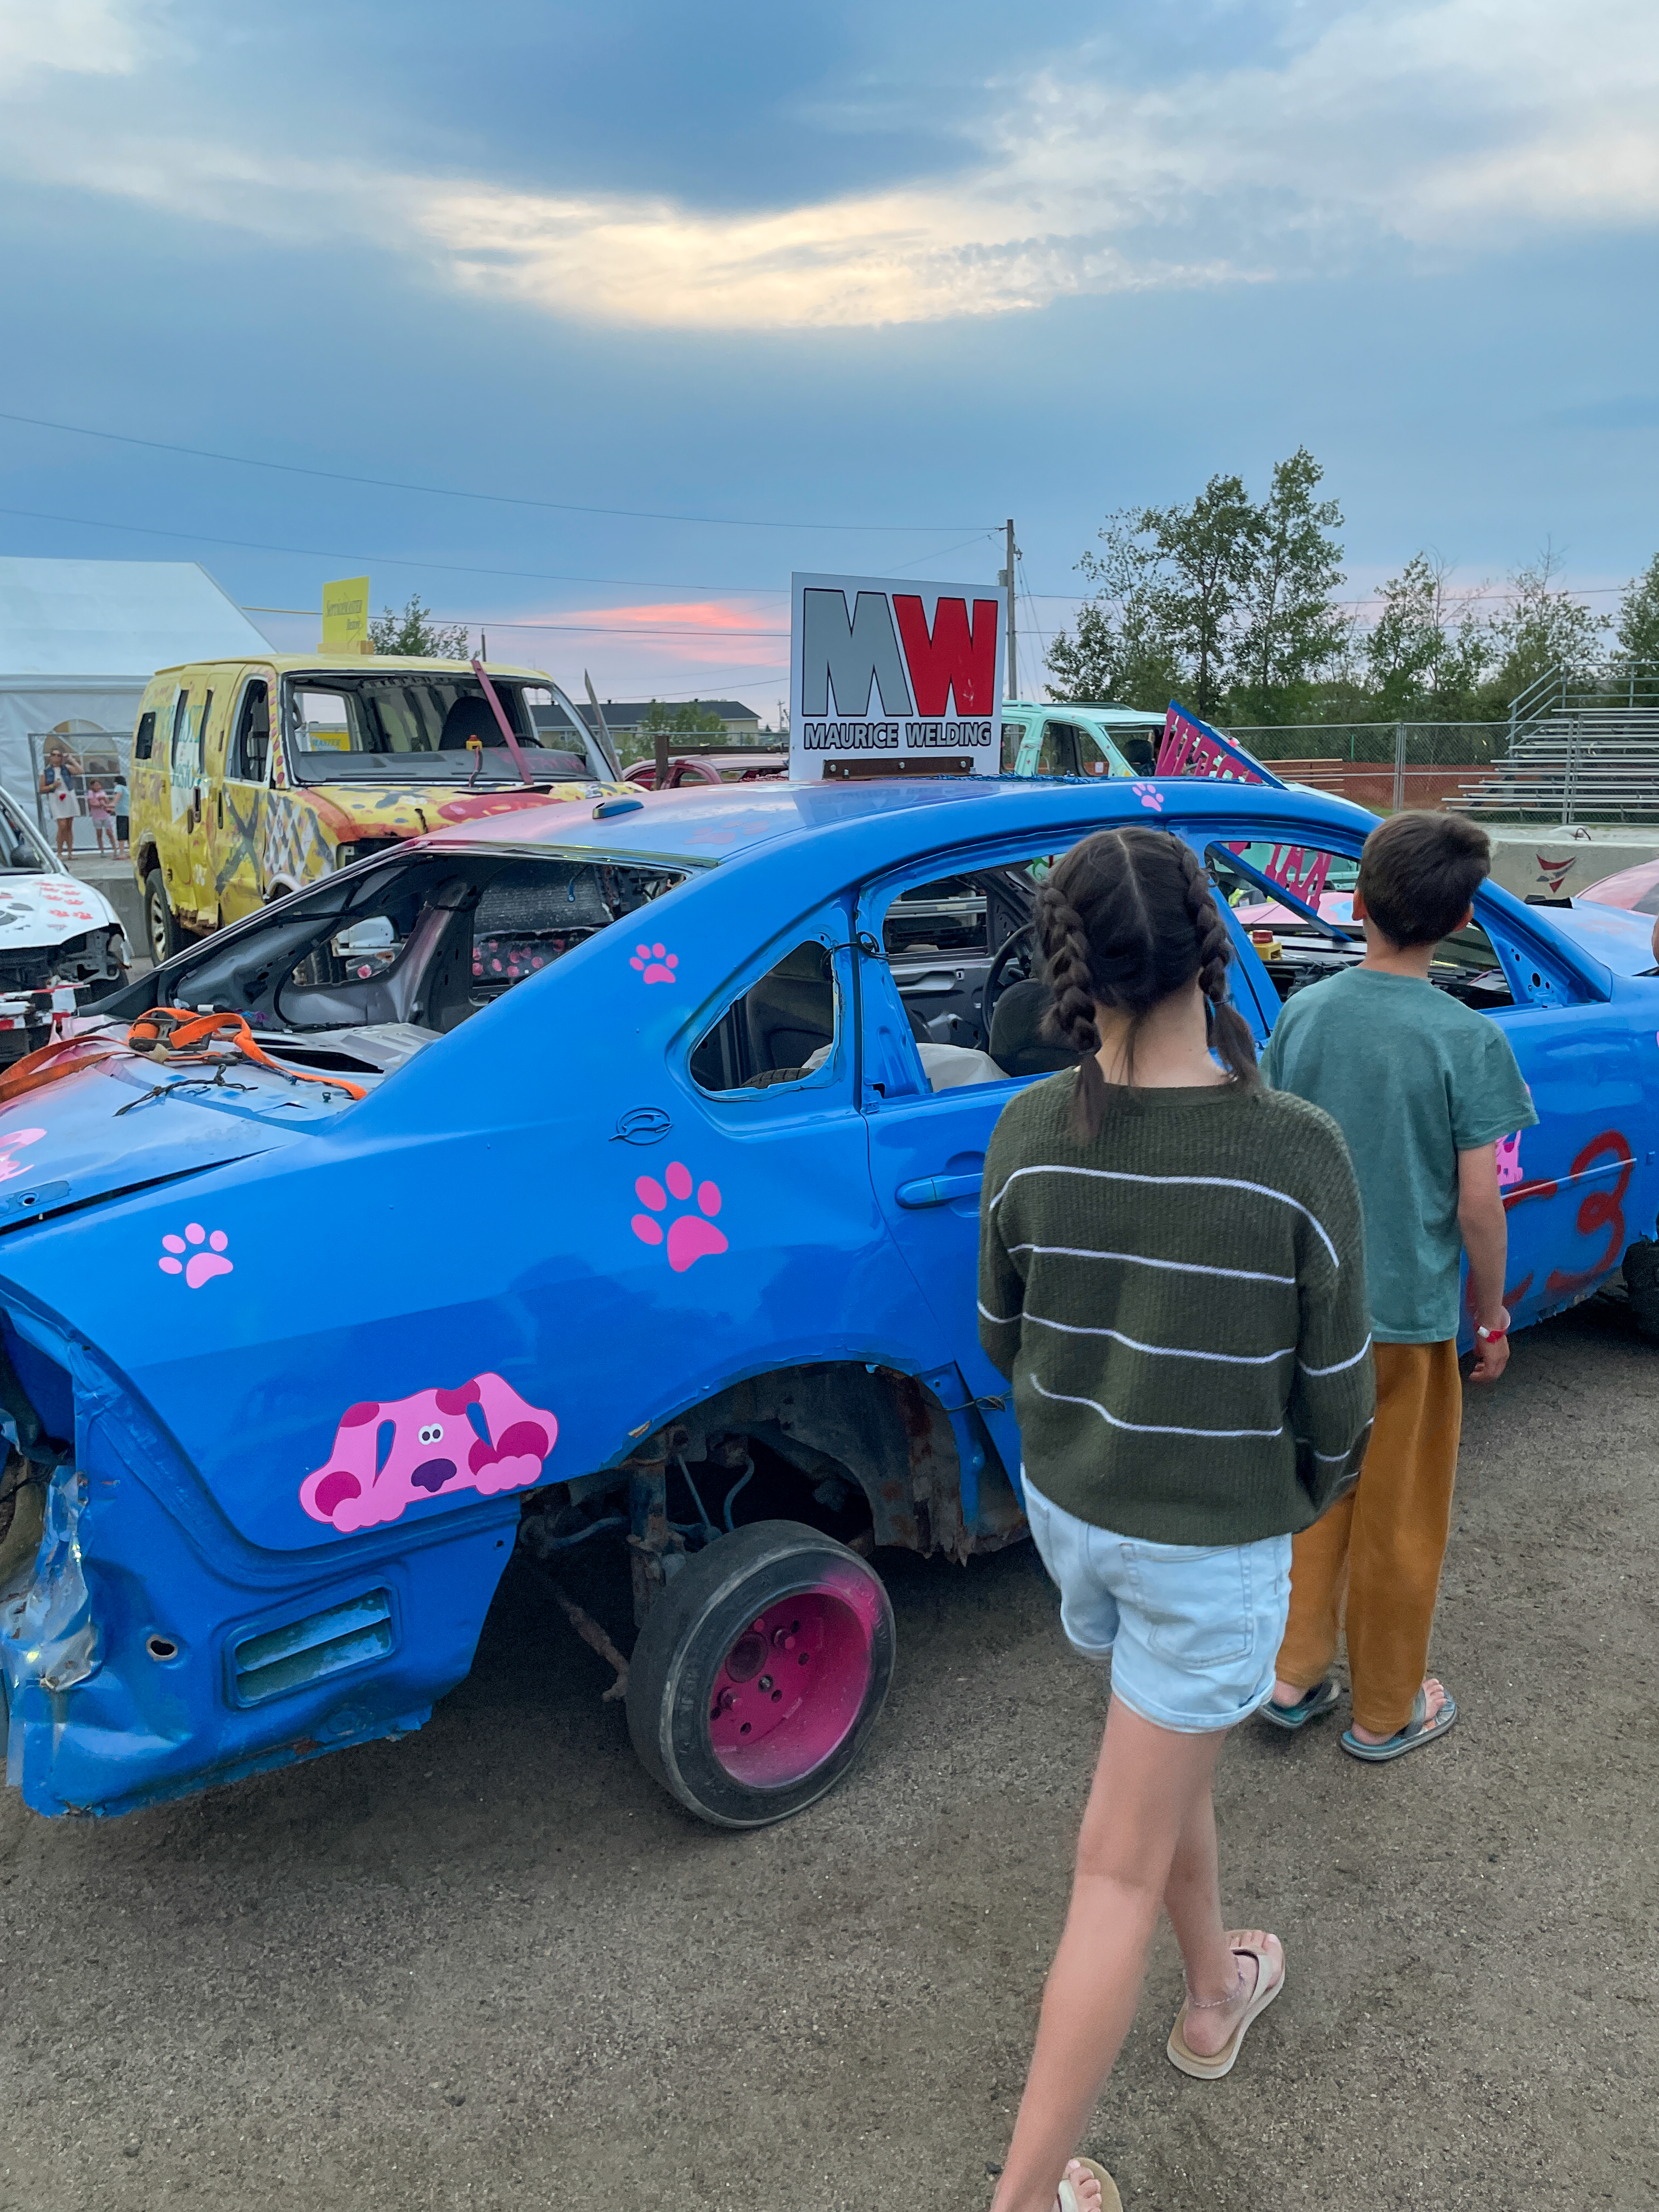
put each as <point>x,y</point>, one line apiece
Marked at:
<point>759,1673</point>
<point>160,922</point>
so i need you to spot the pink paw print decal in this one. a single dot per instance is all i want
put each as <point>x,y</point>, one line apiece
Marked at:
<point>1149,795</point>
<point>196,1255</point>
<point>9,1166</point>
<point>691,1237</point>
<point>654,963</point>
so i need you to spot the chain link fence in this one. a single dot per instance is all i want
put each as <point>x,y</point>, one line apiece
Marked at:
<point>1381,765</point>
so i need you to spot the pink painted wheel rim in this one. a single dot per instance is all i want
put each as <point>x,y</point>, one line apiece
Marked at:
<point>789,1692</point>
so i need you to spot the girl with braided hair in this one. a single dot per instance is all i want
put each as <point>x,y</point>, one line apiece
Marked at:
<point>1171,1275</point>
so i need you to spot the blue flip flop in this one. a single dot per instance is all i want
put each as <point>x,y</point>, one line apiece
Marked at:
<point>1417,1731</point>
<point>1308,1707</point>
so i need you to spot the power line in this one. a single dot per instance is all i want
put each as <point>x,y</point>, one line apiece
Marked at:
<point>441,568</point>
<point>495,498</point>
<point>377,559</point>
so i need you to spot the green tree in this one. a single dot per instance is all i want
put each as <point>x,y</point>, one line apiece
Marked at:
<point>414,635</point>
<point>1115,655</point>
<point>1425,656</point>
<point>1637,627</point>
<point>1543,628</point>
<point>693,719</point>
<point>1205,557</point>
<point>681,723</point>
<point>1222,600</point>
<point>1291,631</point>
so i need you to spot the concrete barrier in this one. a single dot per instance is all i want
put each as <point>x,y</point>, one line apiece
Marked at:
<point>1531,857</point>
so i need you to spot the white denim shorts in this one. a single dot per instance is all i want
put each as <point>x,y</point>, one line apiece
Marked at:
<point>1192,1630</point>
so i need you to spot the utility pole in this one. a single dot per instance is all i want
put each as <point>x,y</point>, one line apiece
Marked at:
<point>1006,579</point>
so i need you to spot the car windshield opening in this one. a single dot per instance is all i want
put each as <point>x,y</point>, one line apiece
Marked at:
<point>391,727</point>
<point>367,968</point>
<point>1295,904</point>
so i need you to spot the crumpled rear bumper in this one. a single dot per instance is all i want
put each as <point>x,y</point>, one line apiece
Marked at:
<point>148,1651</point>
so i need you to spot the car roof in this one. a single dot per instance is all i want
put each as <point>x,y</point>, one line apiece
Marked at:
<point>353,664</point>
<point>703,824</point>
<point>1102,710</point>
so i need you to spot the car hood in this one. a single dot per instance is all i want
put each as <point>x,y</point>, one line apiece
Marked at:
<point>122,1124</point>
<point>1620,940</point>
<point>49,910</point>
<point>411,810</point>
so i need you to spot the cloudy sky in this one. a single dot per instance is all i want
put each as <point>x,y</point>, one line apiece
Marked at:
<point>627,310</point>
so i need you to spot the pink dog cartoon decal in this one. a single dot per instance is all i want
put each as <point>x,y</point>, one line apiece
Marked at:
<point>9,1139</point>
<point>481,1437</point>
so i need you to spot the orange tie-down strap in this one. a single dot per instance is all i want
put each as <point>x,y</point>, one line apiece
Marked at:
<point>175,1036</point>
<point>171,1036</point>
<point>67,1057</point>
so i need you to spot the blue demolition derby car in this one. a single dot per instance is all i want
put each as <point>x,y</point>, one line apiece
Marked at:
<point>553,1180</point>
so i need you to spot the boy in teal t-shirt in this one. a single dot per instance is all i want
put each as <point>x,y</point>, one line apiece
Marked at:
<point>1422,1087</point>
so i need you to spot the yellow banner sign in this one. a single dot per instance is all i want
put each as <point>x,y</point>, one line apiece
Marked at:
<point>346,615</point>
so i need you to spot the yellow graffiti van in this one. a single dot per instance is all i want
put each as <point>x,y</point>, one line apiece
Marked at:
<point>249,778</point>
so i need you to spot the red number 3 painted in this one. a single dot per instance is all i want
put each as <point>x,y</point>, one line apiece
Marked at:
<point>1599,1209</point>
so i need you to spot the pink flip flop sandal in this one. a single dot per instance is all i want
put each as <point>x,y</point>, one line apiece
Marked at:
<point>1211,2069</point>
<point>1067,2198</point>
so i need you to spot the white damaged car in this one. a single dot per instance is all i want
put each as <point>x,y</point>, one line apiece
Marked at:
<point>62,946</point>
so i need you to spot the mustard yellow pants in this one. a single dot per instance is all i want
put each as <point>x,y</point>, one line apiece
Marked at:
<point>1381,1547</point>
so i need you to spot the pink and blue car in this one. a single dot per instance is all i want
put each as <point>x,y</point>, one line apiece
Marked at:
<point>612,1176</point>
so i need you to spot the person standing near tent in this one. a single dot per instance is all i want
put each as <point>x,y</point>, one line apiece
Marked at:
<point>101,808</point>
<point>59,795</point>
<point>123,805</point>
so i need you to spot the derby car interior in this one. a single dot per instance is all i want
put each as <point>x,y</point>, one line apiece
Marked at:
<point>1303,935</point>
<point>355,976</point>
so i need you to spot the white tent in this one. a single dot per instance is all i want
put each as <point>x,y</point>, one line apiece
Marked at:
<point>79,640</point>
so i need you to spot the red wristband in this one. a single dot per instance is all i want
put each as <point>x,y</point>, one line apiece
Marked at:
<point>1490,1335</point>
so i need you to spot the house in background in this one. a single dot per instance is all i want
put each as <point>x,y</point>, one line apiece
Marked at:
<point>80,639</point>
<point>625,719</point>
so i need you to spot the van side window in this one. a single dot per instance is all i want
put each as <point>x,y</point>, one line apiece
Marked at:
<point>250,752</point>
<point>781,1029</point>
<point>189,731</point>
<point>144,737</point>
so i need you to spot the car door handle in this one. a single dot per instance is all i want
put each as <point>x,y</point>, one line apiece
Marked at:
<point>938,1189</point>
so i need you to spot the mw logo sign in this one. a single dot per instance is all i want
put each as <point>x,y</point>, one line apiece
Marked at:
<point>893,676</point>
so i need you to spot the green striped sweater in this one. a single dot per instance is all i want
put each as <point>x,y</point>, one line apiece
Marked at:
<point>1181,1305</point>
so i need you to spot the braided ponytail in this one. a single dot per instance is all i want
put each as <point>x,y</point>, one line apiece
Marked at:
<point>1070,1019</point>
<point>1230,1033</point>
<point>1126,919</point>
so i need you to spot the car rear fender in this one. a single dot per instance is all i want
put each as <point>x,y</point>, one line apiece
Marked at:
<point>915,1445</point>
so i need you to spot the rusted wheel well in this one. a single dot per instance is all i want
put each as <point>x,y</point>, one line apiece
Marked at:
<point>883,1432</point>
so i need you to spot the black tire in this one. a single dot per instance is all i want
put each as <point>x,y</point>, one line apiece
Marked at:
<point>1641,1284</point>
<point>695,1665</point>
<point>161,924</point>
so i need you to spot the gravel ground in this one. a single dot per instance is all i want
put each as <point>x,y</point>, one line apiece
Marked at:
<point>492,1966</point>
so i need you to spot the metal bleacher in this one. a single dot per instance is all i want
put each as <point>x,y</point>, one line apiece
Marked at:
<point>1580,749</point>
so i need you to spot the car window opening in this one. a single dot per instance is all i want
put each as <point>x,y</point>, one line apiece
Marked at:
<point>360,974</point>
<point>969,976</point>
<point>781,1029</point>
<point>1276,892</point>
